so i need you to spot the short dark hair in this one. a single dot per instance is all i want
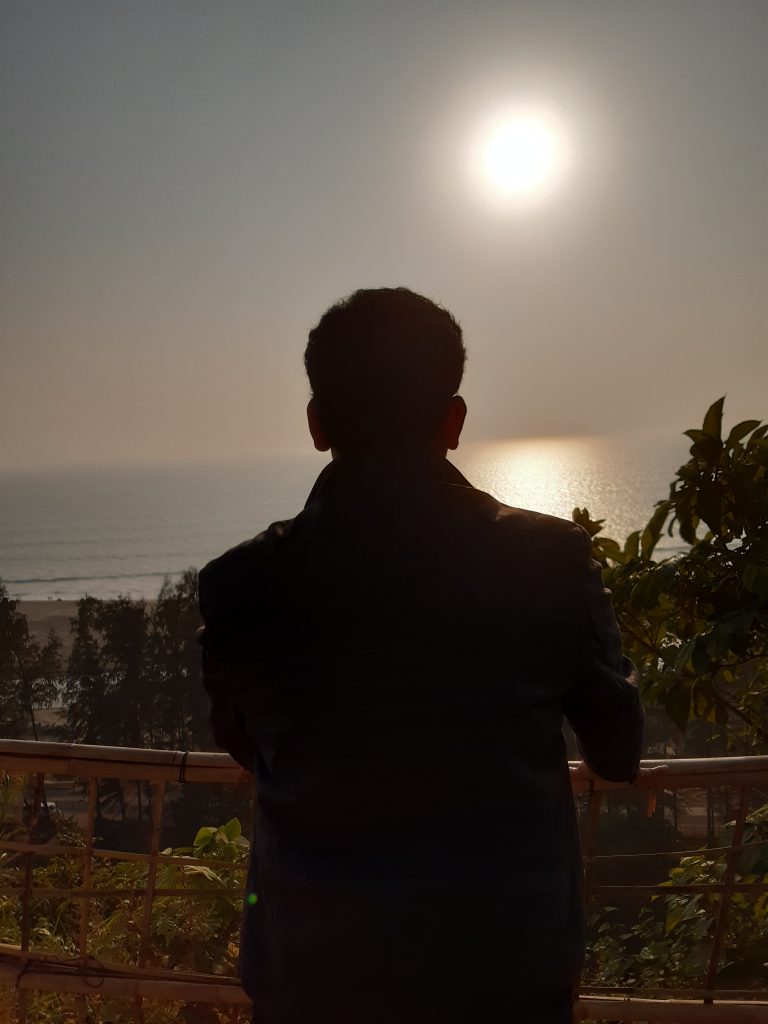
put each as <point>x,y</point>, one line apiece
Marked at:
<point>383,365</point>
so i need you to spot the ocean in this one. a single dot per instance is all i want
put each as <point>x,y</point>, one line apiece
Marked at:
<point>107,532</point>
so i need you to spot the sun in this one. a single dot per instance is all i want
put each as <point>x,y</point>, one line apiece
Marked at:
<point>521,155</point>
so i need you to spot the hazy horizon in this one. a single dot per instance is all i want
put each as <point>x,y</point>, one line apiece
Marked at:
<point>186,187</point>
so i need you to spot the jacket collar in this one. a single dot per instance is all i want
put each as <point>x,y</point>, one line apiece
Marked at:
<point>358,472</point>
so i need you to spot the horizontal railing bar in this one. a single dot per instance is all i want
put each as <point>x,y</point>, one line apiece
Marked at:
<point>641,992</point>
<point>135,755</point>
<point>661,888</point>
<point>226,774</point>
<point>621,1008</point>
<point>83,982</point>
<point>54,850</point>
<point>82,760</point>
<point>75,894</point>
<point>38,958</point>
<point>669,1011</point>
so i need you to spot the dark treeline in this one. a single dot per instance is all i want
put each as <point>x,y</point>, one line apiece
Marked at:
<point>132,676</point>
<point>30,673</point>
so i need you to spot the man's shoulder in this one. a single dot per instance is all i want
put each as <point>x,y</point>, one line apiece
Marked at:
<point>223,576</point>
<point>540,529</point>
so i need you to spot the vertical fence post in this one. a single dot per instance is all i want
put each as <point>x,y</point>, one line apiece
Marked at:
<point>731,863</point>
<point>26,898</point>
<point>590,838</point>
<point>154,849</point>
<point>85,902</point>
<point>87,858</point>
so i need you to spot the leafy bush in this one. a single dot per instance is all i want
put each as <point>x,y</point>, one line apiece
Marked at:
<point>696,623</point>
<point>670,942</point>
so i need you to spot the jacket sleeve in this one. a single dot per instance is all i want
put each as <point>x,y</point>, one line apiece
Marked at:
<point>603,704</point>
<point>218,660</point>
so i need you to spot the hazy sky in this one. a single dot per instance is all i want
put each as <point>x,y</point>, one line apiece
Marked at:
<point>186,186</point>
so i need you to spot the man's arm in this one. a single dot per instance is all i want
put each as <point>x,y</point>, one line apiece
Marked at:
<point>603,705</point>
<point>218,656</point>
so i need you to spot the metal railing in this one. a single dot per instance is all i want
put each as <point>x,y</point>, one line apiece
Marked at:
<point>25,967</point>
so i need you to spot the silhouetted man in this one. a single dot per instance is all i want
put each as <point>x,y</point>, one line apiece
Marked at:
<point>394,665</point>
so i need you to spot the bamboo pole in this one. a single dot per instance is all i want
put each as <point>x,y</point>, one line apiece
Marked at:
<point>653,1011</point>
<point>590,839</point>
<point>662,887</point>
<point>80,1001</point>
<point>42,960</point>
<point>26,896</point>
<point>87,983</point>
<point>731,864</point>
<point>133,893</point>
<point>154,847</point>
<point>87,850</point>
<point>759,995</point>
<point>611,1008</point>
<point>53,850</point>
<point>82,760</point>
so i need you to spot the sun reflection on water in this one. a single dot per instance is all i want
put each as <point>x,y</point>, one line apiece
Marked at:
<point>616,480</point>
<point>540,474</point>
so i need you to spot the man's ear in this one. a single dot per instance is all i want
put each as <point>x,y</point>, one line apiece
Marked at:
<point>319,436</point>
<point>452,425</point>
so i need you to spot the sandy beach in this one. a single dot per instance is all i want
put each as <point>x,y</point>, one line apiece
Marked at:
<point>42,616</point>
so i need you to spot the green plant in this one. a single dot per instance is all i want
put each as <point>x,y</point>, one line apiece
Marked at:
<point>696,623</point>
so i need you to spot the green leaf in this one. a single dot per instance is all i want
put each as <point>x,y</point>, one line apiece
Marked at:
<point>677,704</point>
<point>207,873</point>
<point>688,528</point>
<point>232,829</point>
<point>695,435</point>
<point>674,916</point>
<point>652,532</point>
<point>713,421</point>
<point>700,656</point>
<point>755,580</point>
<point>741,430</point>
<point>683,655</point>
<point>632,545</point>
<point>580,516</point>
<point>204,835</point>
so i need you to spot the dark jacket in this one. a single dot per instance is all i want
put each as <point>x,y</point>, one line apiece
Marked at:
<point>394,664</point>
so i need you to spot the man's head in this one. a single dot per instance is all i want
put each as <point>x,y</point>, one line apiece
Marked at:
<point>384,366</point>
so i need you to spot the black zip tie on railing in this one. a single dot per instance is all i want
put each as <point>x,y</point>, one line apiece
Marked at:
<point>182,766</point>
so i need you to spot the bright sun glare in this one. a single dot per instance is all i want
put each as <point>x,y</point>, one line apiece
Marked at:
<point>521,156</point>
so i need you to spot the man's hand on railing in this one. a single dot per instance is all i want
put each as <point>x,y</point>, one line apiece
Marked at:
<point>582,772</point>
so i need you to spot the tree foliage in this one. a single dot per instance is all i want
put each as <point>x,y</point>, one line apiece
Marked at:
<point>133,673</point>
<point>696,623</point>
<point>669,942</point>
<point>30,672</point>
